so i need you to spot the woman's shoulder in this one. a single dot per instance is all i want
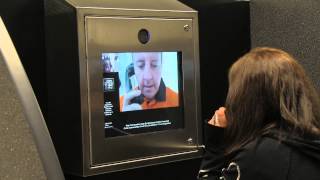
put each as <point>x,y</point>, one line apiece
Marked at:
<point>264,157</point>
<point>266,144</point>
<point>264,147</point>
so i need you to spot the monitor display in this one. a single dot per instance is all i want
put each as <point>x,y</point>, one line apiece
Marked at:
<point>142,92</point>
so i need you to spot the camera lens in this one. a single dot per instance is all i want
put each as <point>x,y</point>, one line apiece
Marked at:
<point>144,36</point>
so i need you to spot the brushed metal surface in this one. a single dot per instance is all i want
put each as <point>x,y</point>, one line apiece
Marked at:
<point>149,5</point>
<point>111,34</point>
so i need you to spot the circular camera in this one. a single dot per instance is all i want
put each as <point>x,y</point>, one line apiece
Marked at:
<point>144,36</point>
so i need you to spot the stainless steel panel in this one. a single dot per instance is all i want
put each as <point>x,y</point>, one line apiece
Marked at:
<point>149,5</point>
<point>119,34</point>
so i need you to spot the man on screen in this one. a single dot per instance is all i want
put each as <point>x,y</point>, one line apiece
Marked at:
<point>151,92</point>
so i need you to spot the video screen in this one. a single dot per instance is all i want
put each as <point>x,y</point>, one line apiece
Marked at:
<point>142,92</point>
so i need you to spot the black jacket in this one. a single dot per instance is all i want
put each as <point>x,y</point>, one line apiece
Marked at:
<point>266,157</point>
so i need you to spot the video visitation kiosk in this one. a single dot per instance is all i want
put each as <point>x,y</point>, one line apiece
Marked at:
<point>123,83</point>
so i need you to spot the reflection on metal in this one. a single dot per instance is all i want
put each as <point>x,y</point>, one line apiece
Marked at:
<point>32,110</point>
<point>145,159</point>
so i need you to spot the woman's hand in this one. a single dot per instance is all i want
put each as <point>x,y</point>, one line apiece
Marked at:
<point>219,118</point>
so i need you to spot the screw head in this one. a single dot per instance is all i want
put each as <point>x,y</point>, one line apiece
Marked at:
<point>186,27</point>
<point>190,140</point>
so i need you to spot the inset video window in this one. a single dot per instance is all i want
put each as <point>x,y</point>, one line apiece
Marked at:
<point>142,92</point>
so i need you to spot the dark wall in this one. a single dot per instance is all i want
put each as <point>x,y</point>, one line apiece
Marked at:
<point>291,25</point>
<point>24,21</point>
<point>224,36</point>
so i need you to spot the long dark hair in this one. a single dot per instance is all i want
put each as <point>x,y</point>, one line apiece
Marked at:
<point>268,89</point>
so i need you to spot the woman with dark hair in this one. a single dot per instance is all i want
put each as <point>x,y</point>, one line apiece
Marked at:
<point>270,126</point>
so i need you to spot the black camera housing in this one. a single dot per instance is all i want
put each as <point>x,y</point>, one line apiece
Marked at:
<point>143,36</point>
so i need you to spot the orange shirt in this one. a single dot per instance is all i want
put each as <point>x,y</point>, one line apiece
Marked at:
<point>172,100</point>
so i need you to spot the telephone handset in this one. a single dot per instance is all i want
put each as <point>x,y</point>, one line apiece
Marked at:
<point>132,83</point>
